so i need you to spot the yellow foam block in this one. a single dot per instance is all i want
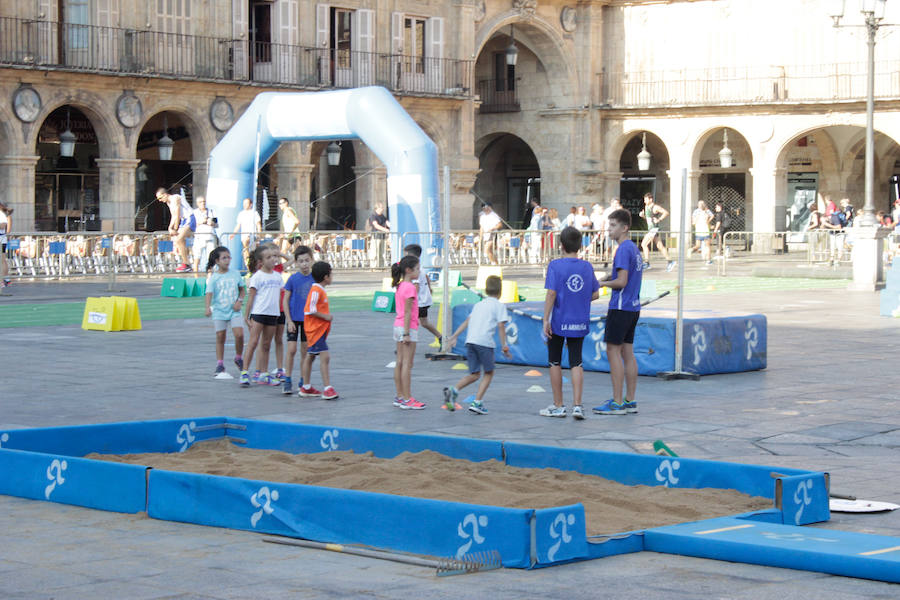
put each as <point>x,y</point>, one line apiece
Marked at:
<point>484,272</point>
<point>131,316</point>
<point>459,366</point>
<point>509,292</point>
<point>386,284</point>
<point>604,291</point>
<point>98,314</point>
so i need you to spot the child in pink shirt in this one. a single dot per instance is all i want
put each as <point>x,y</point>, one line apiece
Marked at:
<point>406,329</point>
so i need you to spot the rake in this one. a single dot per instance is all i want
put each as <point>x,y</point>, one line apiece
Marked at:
<point>470,563</point>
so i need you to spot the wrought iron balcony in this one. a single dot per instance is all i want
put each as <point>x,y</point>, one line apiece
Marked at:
<point>53,45</point>
<point>837,82</point>
<point>494,100</point>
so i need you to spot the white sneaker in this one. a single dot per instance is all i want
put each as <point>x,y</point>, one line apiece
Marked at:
<point>577,413</point>
<point>554,411</point>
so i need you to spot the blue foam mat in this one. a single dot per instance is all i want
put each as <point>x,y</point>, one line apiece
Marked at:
<point>713,343</point>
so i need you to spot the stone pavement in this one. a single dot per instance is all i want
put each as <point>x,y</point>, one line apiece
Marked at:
<point>828,401</point>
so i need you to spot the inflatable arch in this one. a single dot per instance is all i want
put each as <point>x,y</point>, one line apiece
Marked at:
<point>370,114</point>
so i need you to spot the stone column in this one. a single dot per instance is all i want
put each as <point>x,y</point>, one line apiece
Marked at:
<point>200,170</point>
<point>293,184</point>
<point>769,199</point>
<point>17,174</point>
<point>117,192</point>
<point>612,186</point>
<point>462,200</point>
<point>371,187</point>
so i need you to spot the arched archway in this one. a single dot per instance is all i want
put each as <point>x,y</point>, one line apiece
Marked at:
<point>157,169</point>
<point>828,162</point>
<point>510,176</point>
<point>718,181</point>
<point>67,178</point>
<point>635,182</point>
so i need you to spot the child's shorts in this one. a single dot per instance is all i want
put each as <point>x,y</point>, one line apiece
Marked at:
<point>479,357</point>
<point>300,333</point>
<point>236,322</point>
<point>413,334</point>
<point>268,320</point>
<point>555,349</point>
<point>620,326</point>
<point>319,347</point>
<point>423,311</point>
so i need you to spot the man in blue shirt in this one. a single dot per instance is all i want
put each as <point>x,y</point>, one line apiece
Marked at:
<point>571,286</point>
<point>295,292</point>
<point>622,316</point>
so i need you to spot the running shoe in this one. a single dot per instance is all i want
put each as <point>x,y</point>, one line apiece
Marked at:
<point>309,392</point>
<point>670,266</point>
<point>478,408</point>
<point>450,398</point>
<point>244,379</point>
<point>219,369</point>
<point>610,407</point>
<point>272,381</point>
<point>7,282</point>
<point>554,411</point>
<point>239,363</point>
<point>280,375</point>
<point>413,404</point>
<point>630,407</point>
<point>399,402</point>
<point>287,386</point>
<point>329,394</point>
<point>183,268</point>
<point>577,412</point>
<point>255,377</point>
<point>645,266</point>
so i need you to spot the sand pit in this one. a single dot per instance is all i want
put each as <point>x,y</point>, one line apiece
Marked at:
<point>609,507</point>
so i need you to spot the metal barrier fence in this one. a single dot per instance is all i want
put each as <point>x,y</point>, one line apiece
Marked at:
<point>57,255</point>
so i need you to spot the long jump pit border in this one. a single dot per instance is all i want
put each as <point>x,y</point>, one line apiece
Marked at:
<point>48,464</point>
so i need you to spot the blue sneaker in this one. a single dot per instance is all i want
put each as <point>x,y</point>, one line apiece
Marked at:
<point>244,379</point>
<point>630,407</point>
<point>478,408</point>
<point>610,407</point>
<point>255,377</point>
<point>287,386</point>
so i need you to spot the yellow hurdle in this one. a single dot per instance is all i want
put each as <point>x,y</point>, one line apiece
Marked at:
<point>111,313</point>
<point>509,292</point>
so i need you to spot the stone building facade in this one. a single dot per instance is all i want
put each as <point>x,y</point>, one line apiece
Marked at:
<point>592,80</point>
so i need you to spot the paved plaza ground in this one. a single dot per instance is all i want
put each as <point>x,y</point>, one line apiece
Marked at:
<point>829,400</point>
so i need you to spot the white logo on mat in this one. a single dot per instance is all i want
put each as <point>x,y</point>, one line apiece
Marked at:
<point>185,436</point>
<point>575,283</point>
<point>263,501</point>
<point>596,336</point>
<point>752,337</point>
<point>96,318</point>
<point>512,333</point>
<point>802,498</point>
<point>698,339</point>
<point>55,475</point>
<point>3,439</point>
<point>562,520</point>
<point>665,472</point>
<point>475,536</point>
<point>794,537</point>
<point>329,439</point>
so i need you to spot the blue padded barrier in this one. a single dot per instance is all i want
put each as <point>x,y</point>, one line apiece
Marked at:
<point>300,438</point>
<point>713,343</point>
<point>69,480</point>
<point>340,516</point>
<point>560,534</point>
<point>113,438</point>
<point>804,498</point>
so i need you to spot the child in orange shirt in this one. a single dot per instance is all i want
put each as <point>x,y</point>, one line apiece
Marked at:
<point>317,324</point>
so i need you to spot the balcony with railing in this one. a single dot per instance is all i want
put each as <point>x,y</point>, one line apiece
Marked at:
<point>51,45</point>
<point>836,82</point>
<point>495,98</point>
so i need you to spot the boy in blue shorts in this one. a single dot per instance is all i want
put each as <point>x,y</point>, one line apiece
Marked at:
<point>295,292</point>
<point>487,316</point>
<point>571,287</point>
<point>622,316</point>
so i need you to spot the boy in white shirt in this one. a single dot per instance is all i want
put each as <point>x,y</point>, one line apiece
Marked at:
<point>486,317</point>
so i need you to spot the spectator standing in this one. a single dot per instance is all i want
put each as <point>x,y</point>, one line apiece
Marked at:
<point>378,224</point>
<point>290,225</point>
<point>701,218</point>
<point>722,221</point>
<point>205,239</point>
<point>5,228</point>
<point>248,225</point>
<point>489,222</point>
<point>582,220</point>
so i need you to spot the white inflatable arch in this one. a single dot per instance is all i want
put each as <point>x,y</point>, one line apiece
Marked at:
<point>370,114</point>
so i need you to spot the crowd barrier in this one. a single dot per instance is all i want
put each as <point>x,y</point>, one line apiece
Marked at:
<point>58,255</point>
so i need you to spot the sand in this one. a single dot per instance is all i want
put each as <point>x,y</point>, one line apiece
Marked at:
<point>610,507</point>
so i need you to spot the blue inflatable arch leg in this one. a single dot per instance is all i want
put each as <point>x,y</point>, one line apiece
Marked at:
<point>370,114</point>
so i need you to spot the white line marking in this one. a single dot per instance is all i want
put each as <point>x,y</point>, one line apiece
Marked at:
<point>723,529</point>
